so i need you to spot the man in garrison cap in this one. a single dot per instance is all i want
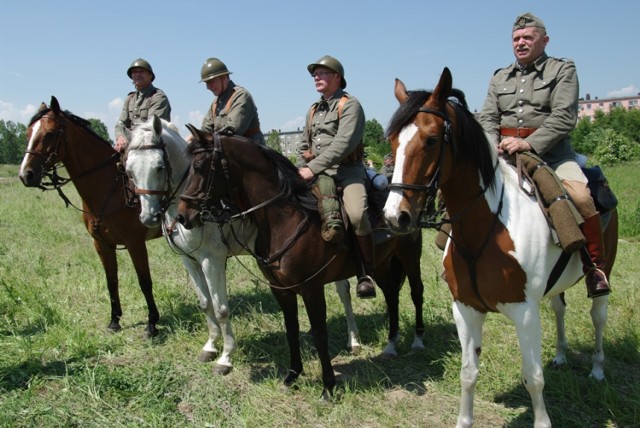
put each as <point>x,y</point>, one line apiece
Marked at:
<point>532,106</point>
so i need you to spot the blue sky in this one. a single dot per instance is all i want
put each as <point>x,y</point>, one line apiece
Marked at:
<point>79,51</point>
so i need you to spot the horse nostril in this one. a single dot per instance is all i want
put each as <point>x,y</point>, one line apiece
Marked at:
<point>404,220</point>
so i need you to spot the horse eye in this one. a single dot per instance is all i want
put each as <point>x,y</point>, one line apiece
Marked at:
<point>432,141</point>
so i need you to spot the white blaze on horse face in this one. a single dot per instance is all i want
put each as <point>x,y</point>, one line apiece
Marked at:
<point>34,132</point>
<point>392,207</point>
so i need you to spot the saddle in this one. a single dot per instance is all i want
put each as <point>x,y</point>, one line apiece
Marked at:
<point>561,214</point>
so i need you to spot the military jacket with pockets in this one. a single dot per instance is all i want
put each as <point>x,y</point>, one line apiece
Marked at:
<point>234,110</point>
<point>544,96</point>
<point>332,136</point>
<point>139,106</point>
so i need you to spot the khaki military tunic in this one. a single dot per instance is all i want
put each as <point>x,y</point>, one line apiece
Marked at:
<point>543,95</point>
<point>234,110</point>
<point>333,137</point>
<point>139,106</point>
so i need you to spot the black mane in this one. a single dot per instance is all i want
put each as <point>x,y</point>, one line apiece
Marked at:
<point>469,142</point>
<point>77,120</point>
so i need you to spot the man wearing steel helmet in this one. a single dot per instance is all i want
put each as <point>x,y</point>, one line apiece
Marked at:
<point>233,112</point>
<point>141,104</point>
<point>532,106</point>
<point>332,144</point>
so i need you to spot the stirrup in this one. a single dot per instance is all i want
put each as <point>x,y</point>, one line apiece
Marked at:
<point>366,288</point>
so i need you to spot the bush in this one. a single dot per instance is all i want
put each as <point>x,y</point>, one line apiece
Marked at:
<point>611,147</point>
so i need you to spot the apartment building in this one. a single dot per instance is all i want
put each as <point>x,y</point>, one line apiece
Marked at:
<point>587,106</point>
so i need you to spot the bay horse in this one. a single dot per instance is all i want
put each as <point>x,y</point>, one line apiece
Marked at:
<point>60,137</point>
<point>500,256</point>
<point>158,162</point>
<point>234,177</point>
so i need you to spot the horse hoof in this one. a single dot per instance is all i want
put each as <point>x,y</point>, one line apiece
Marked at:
<point>326,396</point>
<point>206,356</point>
<point>291,378</point>
<point>150,332</point>
<point>388,356</point>
<point>113,327</point>
<point>221,370</point>
<point>355,350</point>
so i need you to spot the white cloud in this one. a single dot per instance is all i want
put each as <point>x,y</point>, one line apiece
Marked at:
<point>8,111</point>
<point>195,118</point>
<point>627,91</point>
<point>116,104</point>
<point>293,124</point>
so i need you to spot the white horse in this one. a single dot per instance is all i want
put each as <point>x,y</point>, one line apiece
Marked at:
<point>500,256</point>
<point>157,161</point>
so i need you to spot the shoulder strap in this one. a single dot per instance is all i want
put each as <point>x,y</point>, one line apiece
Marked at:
<point>341,104</point>
<point>215,103</point>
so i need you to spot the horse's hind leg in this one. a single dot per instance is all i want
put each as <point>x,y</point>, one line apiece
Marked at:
<point>139,257</point>
<point>599,315</point>
<point>469,325</point>
<point>109,261</point>
<point>353,343</point>
<point>559,309</point>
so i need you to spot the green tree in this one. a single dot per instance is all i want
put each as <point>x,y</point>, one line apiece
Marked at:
<point>612,147</point>
<point>374,142</point>
<point>100,128</point>
<point>273,141</point>
<point>13,141</point>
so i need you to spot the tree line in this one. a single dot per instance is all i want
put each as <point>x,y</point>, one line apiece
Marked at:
<point>608,139</point>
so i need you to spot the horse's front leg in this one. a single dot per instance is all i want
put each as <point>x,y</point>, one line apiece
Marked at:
<point>140,258</point>
<point>209,351</point>
<point>469,325</point>
<point>107,255</point>
<point>599,315</point>
<point>353,343</point>
<point>526,318</point>
<point>316,306</point>
<point>289,306</point>
<point>214,268</point>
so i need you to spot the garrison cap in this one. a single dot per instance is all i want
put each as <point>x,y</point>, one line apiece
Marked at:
<point>528,20</point>
<point>388,156</point>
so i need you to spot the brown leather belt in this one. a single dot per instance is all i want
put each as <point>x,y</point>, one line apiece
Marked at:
<point>517,132</point>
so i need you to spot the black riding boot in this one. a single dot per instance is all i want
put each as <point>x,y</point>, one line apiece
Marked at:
<point>593,258</point>
<point>366,285</point>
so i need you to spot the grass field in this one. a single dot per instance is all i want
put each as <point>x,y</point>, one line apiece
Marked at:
<point>59,367</point>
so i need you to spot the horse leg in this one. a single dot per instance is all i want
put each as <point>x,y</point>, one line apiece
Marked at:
<point>289,306</point>
<point>559,309</point>
<point>391,292</point>
<point>316,306</point>
<point>107,255</point>
<point>353,342</point>
<point>599,314</point>
<point>140,258</point>
<point>417,297</point>
<point>469,325</point>
<point>215,275</point>
<point>528,328</point>
<point>209,351</point>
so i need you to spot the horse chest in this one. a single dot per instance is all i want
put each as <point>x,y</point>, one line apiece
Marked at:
<point>486,279</point>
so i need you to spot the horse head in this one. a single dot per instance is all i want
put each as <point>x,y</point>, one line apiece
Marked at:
<point>420,135</point>
<point>44,144</point>
<point>149,168</point>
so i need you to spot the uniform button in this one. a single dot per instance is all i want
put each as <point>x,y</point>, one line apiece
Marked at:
<point>523,80</point>
<point>521,91</point>
<point>519,110</point>
<point>520,102</point>
<point>520,121</point>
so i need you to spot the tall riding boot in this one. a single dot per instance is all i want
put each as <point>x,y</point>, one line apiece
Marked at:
<point>366,285</point>
<point>593,258</point>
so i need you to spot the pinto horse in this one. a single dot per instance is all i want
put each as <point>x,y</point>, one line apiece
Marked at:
<point>55,136</point>
<point>234,177</point>
<point>158,162</point>
<point>500,256</point>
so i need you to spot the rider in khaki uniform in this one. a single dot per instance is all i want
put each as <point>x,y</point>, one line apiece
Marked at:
<point>332,144</point>
<point>233,112</point>
<point>532,105</point>
<point>141,104</point>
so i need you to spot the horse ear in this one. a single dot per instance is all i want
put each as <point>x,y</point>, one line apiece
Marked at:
<point>400,91</point>
<point>157,125</point>
<point>43,106</point>
<point>194,131</point>
<point>443,90</point>
<point>55,106</point>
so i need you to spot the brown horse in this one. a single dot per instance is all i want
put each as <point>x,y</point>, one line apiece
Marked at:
<point>55,136</point>
<point>234,177</point>
<point>500,256</point>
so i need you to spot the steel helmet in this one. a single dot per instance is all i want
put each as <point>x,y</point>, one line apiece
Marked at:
<point>212,68</point>
<point>332,64</point>
<point>141,63</point>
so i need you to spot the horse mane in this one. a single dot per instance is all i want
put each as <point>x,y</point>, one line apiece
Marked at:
<point>469,142</point>
<point>77,120</point>
<point>148,127</point>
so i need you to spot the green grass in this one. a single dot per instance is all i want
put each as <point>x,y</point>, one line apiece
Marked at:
<point>59,367</point>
